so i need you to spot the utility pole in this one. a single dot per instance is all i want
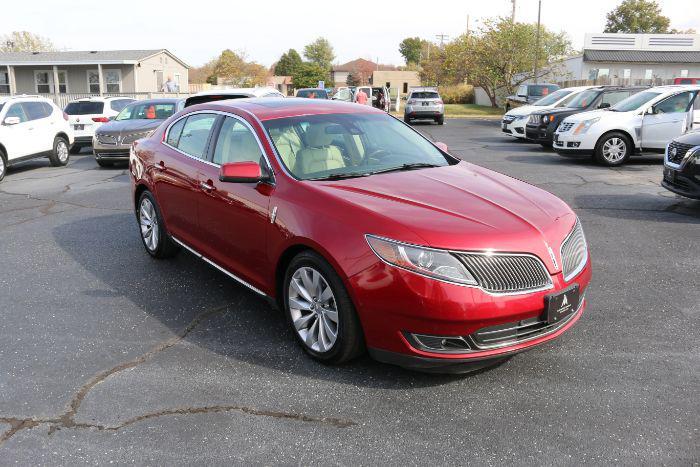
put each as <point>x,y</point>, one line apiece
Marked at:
<point>442,38</point>
<point>537,41</point>
<point>467,24</point>
<point>512,15</point>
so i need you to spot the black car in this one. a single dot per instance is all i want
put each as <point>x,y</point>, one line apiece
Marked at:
<point>112,141</point>
<point>542,124</point>
<point>682,165</point>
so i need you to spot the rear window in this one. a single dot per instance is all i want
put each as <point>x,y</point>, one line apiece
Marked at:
<point>541,90</point>
<point>85,108</point>
<point>425,95</point>
<point>35,110</point>
<point>212,98</point>
<point>313,93</point>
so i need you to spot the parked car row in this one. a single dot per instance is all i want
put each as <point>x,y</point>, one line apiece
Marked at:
<point>374,96</point>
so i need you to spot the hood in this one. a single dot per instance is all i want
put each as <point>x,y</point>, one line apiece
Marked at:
<point>460,207</point>
<point>602,113</point>
<point>691,137</point>
<point>129,126</point>
<point>523,110</point>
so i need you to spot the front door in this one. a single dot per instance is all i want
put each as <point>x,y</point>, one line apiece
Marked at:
<point>234,217</point>
<point>669,118</point>
<point>175,174</point>
<point>19,139</point>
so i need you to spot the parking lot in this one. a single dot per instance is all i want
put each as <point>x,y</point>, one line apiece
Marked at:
<point>108,355</point>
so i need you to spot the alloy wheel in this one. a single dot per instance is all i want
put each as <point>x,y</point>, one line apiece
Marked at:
<point>313,309</point>
<point>62,151</point>
<point>148,220</point>
<point>2,166</point>
<point>614,150</point>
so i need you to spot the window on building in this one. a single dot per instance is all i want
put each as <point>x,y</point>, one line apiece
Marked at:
<point>593,73</point>
<point>4,83</point>
<point>43,82</point>
<point>603,72</point>
<point>405,88</point>
<point>627,73</point>
<point>684,73</point>
<point>113,80</point>
<point>648,73</point>
<point>93,78</point>
<point>387,84</point>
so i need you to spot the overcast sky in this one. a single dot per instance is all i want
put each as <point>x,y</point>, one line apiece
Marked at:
<point>197,31</point>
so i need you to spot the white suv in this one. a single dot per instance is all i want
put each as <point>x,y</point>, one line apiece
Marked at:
<point>515,120</point>
<point>647,121</point>
<point>87,114</point>
<point>32,127</point>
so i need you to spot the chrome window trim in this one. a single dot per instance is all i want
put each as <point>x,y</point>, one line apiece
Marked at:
<point>455,253</point>
<point>583,263</point>
<point>225,114</point>
<point>691,153</point>
<point>220,268</point>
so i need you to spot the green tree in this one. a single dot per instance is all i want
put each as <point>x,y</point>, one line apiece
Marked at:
<point>432,67</point>
<point>320,52</point>
<point>287,63</point>
<point>411,49</point>
<point>308,74</point>
<point>24,41</point>
<point>637,16</point>
<point>501,56</point>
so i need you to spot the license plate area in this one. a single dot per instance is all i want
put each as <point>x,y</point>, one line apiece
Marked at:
<point>560,305</point>
<point>669,175</point>
<point>79,127</point>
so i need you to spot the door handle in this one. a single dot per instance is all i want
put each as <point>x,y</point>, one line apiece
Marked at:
<point>160,166</point>
<point>206,186</point>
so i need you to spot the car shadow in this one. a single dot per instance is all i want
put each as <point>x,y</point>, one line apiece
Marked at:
<point>642,207</point>
<point>177,290</point>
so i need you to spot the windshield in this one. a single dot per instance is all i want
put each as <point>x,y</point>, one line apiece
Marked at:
<point>147,111</point>
<point>313,93</point>
<point>634,102</point>
<point>552,98</point>
<point>538,90</point>
<point>424,95</point>
<point>347,145</point>
<point>84,108</point>
<point>583,100</point>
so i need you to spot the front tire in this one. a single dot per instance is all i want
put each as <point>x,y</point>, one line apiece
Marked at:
<point>155,238</point>
<point>407,120</point>
<point>319,310</point>
<point>75,149</point>
<point>60,154</point>
<point>613,149</point>
<point>440,120</point>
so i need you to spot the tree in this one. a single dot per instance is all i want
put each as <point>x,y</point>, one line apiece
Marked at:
<point>411,49</point>
<point>287,63</point>
<point>203,73</point>
<point>232,68</point>
<point>501,56</point>
<point>320,52</point>
<point>308,74</point>
<point>637,16</point>
<point>25,41</point>
<point>353,79</point>
<point>432,67</point>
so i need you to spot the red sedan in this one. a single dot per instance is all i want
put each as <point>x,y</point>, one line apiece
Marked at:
<point>367,235</point>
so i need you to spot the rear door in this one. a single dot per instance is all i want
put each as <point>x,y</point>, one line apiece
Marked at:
<point>234,217</point>
<point>42,125</point>
<point>175,172</point>
<point>670,117</point>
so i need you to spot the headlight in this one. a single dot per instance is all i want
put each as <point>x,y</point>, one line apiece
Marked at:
<point>437,264</point>
<point>583,127</point>
<point>547,118</point>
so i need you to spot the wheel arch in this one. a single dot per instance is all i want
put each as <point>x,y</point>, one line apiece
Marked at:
<point>64,135</point>
<point>618,130</point>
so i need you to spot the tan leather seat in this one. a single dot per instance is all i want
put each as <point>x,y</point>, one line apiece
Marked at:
<point>287,143</point>
<point>318,155</point>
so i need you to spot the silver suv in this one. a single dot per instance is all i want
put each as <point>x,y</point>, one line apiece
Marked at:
<point>424,103</point>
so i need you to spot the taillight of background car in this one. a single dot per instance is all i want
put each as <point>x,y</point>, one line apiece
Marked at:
<point>100,119</point>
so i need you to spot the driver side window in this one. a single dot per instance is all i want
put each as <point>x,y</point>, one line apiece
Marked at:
<point>16,110</point>
<point>236,143</point>
<point>679,103</point>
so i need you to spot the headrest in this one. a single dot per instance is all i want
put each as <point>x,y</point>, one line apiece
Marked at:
<point>317,137</point>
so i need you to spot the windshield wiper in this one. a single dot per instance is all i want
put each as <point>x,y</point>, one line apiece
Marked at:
<point>341,176</point>
<point>409,166</point>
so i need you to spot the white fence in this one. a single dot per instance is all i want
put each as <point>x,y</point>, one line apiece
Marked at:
<point>61,100</point>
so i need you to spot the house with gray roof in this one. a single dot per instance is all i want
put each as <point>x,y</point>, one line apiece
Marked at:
<point>636,58</point>
<point>92,72</point>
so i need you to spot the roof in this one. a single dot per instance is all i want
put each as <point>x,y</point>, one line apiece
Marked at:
<point>80,57</point>
<point>641,56</point>
<point>363,66</point>
<point>270,108</point>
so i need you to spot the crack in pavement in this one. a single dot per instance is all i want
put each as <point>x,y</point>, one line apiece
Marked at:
<point>67,419</point>
<point>69,203</point>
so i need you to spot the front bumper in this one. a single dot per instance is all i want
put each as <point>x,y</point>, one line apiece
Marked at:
<point>394,303</point>
<point>568,143</point>
<point>540,133</point>
<point>424,111</point>
<point>684,181</point>
<point>515,127</point>
<point>110,152</point>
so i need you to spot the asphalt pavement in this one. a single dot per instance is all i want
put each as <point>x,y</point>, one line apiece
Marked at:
<point>109,356</point>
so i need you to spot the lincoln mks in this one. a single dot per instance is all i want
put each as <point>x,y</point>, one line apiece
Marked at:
<point>367,235</point>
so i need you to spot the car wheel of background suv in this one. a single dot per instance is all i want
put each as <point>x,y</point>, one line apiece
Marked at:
<point>3,164</point>
<point>60,154</point>
<point>104,163</point>
<point>320,311</point>
<point>153,234</point>
<point>440,120</point>
<point>75,149</point>
<point>613,149</point>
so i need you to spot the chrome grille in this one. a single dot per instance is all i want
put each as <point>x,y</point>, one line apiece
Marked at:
<point>675,157</point>
<point>506,273</point>
<point>534,119</point>
<point>107,139</point>
<point>566,126</point>
<point>574,252</point>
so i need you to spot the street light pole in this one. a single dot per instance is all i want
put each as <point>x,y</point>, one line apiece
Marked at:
<point>537,41</point>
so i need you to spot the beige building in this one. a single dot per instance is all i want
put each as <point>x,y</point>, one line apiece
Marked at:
<point>91,72</point>
<point>401,80</point>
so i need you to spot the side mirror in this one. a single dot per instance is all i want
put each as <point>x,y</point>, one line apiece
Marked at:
<point>441,146</point>
<point>604,105</point>
<point>11,121</point>
<point>241,172</point>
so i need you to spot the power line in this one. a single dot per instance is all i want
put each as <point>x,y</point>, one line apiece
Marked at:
<point>442,38</point>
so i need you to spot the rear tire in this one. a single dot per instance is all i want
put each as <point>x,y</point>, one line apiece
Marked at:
<point>613,149</point>
<point>440,120</point>
<point>3,164</point>
<point>327,328</point>
<point>60,154</point>
<point>104,163</point>
<point>407,120</point>
<point>155,238</point>
<point>75,149</point>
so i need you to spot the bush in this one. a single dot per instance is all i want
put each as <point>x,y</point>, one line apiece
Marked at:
<point>457,94</point>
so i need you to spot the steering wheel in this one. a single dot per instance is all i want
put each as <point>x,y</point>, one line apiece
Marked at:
<point>374,154</point>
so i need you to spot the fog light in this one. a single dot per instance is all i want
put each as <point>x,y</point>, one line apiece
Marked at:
<point>447,344</point>
<point>573,144</point>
